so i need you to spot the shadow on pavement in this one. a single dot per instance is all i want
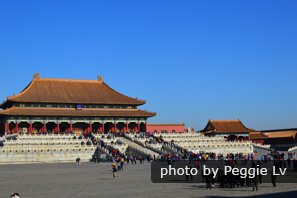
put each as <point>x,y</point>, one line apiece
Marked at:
<point>281,194</point>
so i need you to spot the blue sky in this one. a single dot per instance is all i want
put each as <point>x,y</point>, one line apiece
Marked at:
<point>191,60</point>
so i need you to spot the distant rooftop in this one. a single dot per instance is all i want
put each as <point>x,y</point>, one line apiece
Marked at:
<point>225,126</point>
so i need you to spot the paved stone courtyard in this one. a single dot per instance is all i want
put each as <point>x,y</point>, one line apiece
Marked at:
<point>95,180</point>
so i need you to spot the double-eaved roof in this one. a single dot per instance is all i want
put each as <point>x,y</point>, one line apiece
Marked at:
<point>32,111</point>
<point>78,92</point>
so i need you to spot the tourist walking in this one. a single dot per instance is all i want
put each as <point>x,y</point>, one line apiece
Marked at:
<point>114,170</point>
<point>122,160</point>
<point>208,180</point>
<point>15,195</point>
<point>273,179</point>
<point>77,161</point>
<point>255,183</point>
<point>260,175</point>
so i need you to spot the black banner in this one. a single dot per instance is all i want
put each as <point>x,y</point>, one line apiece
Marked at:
<point>224,171</point>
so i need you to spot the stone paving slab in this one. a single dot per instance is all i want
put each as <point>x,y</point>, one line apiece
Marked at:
<point>95,180</point>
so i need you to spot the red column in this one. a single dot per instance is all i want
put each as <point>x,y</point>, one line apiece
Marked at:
<point>16,127</point>
<point>30,128</point>
<point>58,127</point>
<point>6,126</point>
<point>44,128</point>
<point>138,127</point>
<point>127,127</point>
<point>71,129</point>
<point>146,127</point>
<point>90,128</point>
<point>103,127</point>
<point>115,126</point>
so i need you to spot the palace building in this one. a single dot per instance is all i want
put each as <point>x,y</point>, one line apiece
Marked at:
<point>280,139</point>
<point>169,128</point>
<point>230,129</point>
<point>49,105</point>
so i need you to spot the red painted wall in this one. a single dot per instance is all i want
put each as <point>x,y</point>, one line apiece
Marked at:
<point>166,127</point>
<point>258,141</point>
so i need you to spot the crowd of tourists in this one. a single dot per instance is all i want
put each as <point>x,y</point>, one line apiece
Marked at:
<point>233,181</point>
<point>119,159</point>
<point>180,153</point>
<point>205,156</point>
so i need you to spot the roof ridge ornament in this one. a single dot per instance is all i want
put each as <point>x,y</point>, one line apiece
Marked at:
<point>36,75</point>
<point>100,79</point>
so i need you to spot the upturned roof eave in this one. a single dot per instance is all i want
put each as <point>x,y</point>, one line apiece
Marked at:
<point>19,99</point>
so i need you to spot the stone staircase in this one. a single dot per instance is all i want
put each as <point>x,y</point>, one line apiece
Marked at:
<point>170,150</point>
<point>137,147</point>
<point>148,146</point>
<point>45,149</point>
<point>260,150</point>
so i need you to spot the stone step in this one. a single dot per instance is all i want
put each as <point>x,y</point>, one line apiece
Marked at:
<point>138,147</point>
